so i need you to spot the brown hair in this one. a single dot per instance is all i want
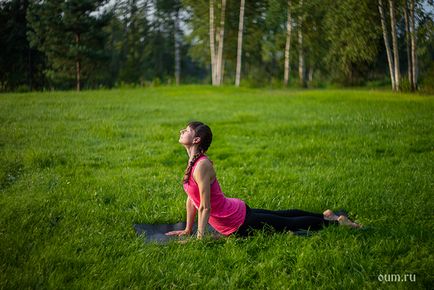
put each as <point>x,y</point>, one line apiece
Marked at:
<point>204,132</point>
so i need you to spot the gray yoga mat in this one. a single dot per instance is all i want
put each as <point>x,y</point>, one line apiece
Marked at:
<point>156,233</point>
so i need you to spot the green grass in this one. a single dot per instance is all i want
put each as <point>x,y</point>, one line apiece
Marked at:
<point>77,170</point>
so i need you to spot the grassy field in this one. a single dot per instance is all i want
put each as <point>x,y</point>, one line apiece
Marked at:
<point>78,170</point>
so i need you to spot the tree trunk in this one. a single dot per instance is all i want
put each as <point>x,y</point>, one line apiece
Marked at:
<point>219,78</point>
<point>77,62</point>
<point>413,45</point>
<point>177,54</point>
<point>301,69</point>
<point>222,75</point>
<point>29,68</point>
<point>408,45</point>
<point>240,44</point>
<point>386,43</point>
<point>310,78</point>
<point>287,46</point>
<point>212,43</point>
<point>394,43</point>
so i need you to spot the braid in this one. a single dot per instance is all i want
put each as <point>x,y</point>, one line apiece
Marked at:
<point>187,172</point>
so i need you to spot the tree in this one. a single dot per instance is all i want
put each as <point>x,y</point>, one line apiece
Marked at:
<point>21,66</point>
<point>240,44</point>
<point>386,43</point>
<point>220,40</point>
<point>135,40</point>
<point>414,69</point>
<point>177,48</point>
<point>70,34</point>
<point>170,12</point>
<point>352,36</point>
<point>394,44</point>
<point>114,46</point>
<point>217,57</point>
<point>425,47</point>
<point>287,45</point>
<point>407,42</point>
<point>212,43</point>
<point>301,64</point>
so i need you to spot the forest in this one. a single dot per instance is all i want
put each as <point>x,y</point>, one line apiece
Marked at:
<point>92,44</point>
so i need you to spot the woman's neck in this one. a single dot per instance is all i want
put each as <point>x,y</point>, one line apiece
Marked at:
<point>191,151</point>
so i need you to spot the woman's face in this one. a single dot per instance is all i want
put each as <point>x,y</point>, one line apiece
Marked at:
<point>186,136</point>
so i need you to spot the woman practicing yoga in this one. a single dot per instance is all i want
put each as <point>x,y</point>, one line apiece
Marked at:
<point>232,216</point>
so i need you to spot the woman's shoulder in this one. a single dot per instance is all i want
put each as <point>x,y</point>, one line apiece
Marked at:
<point>204,166</point>
<point>203,161</point>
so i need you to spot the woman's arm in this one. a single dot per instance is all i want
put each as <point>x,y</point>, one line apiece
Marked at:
<point>191,214</point>
<point>202,176</point>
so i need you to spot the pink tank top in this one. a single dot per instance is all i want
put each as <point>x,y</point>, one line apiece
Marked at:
<point>227,214</point>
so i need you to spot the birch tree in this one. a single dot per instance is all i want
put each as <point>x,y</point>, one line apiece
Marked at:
<point>394,44</point>
<point>386,43</point>
<point>413,46</point>
<point>301,65</point>
<point>216,57</point>
<point>177,45</point>
<point>407,43</point>
<point>212,43</point>
<point>220,44</point>
<point>287,45</point>
<point>240,44</point>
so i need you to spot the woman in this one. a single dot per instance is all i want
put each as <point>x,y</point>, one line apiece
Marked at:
<point>232,216</point>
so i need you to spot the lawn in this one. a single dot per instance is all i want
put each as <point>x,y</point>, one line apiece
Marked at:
<point>77,170</point>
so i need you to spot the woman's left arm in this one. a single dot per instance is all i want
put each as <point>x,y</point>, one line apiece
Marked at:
<point>202,176</point>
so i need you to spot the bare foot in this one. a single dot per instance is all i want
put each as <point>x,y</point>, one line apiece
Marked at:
<point>329,215</point>
<point>343,220</point>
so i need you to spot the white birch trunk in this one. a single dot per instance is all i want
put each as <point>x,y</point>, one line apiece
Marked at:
<point>212,43</point>
<point>413,45</point>
<point>287,70</point>
<point>386,43</point>
<point>301,65</point>
<point>394,43</point>
<point>310,78</point>
<point>219,77</point>
<point>407,42</point>
<point>240,44</point>
<point>177,53</point>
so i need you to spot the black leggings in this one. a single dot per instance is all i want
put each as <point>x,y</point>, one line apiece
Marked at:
<point>281,220</point>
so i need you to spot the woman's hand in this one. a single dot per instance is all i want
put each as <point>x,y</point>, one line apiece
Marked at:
<point>179,233</point>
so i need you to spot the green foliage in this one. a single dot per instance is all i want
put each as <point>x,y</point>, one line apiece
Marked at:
<point>69,32</point>
<point>20,65</point>
<point>353,33</point>
<point>425,38</point>
<point>131,42</point>
<point>427,83</point>
<point>77,170</point>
